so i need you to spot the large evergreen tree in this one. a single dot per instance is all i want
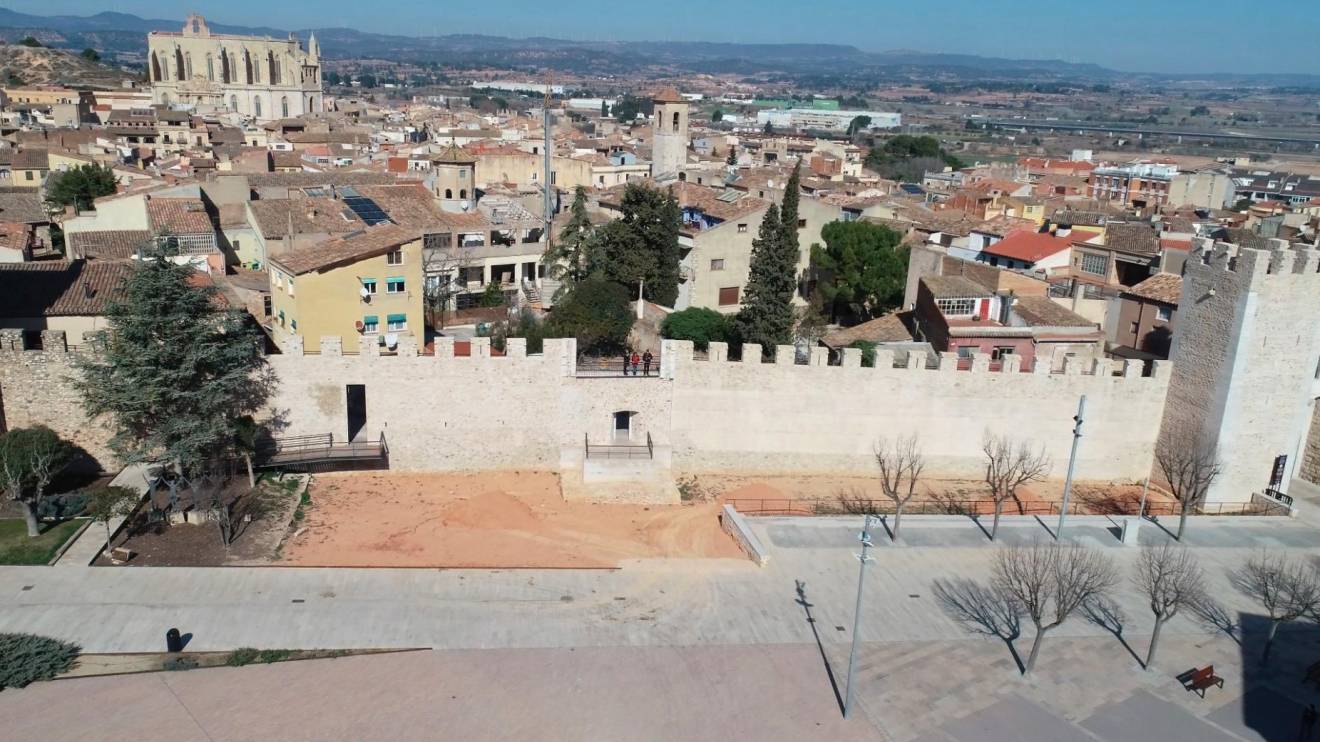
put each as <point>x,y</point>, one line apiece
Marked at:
<point>573,256</point>
<point>179,372</point>
<point>788,214</point>
<point>865,266</point>
<point>767,309</point>
<point>640,248</point>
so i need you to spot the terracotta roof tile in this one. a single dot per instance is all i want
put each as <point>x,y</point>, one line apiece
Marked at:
<point>1165,288</point>
<point>60,289</point>
<point>320,215</point>
<point>178,216</point>
<point>1041,311</point>
<point>107,244</point>
<point>1030,246</point>
<point>351,248</point>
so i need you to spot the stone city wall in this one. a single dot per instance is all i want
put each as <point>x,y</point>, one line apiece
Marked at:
<point>441,412</point>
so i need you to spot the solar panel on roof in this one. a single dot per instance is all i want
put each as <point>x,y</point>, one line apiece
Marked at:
<point>367,210</point>
<point>729,196</point>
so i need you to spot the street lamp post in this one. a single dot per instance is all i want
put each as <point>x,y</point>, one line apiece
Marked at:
<point>865,538</point>
<point>1072,464</point>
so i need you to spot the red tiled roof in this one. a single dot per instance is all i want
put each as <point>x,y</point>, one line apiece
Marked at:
<point>178,216</point>
<point>1030,247</point>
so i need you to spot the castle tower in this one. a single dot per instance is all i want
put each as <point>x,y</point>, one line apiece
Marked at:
<point>1246,355</point>
<point>669,128</point>
<point>454,179</point>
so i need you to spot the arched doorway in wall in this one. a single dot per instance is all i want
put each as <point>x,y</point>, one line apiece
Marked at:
<point>621,431</point>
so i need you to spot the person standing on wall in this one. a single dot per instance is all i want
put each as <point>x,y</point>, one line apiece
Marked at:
<point>625,361</point>
<point>636,359</point>
<point>646,363</point>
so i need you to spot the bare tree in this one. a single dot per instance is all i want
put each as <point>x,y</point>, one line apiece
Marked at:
<point>1171,579</point>
<point>48,456</point>
<point>14,477</point>
<point>442,266</point>
<point>1189,468</point>
<point>1050,581</point>
<point>1009,465</point>
<point>900,465</point>
<point>1287,590</point>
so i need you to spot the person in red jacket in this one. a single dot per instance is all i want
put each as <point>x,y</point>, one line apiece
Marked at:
<point>636,359</point>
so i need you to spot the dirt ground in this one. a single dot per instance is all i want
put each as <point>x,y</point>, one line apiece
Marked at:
<point>489,519</point>
<point>199,544</point>
<point>751,493</point>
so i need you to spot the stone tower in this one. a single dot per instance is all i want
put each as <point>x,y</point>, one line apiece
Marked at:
<point>1246,357</point>
<point>454,180</point>
<point>669,141</point>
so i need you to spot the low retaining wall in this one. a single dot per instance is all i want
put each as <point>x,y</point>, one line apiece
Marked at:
<point>733,524</point>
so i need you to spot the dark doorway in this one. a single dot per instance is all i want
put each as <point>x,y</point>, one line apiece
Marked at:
<point>357,410</point>
<point>622,424</point>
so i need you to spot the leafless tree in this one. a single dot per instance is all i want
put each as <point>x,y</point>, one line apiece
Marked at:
<point>1050,581</point>
<point>1171,579</point>
<point>1009,465</point>
<point>900,465</point>
<point>442,267</point>
<point>1286,589</point>
<point>1189,468</point>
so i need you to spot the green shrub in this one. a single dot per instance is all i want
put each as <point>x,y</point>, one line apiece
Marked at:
<point>249,655</point>
<point>868,351</point>
<point>700,325</point>
<point>62,507</point>
<point>27,658</point>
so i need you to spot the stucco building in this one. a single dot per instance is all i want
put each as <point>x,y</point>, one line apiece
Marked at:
<point>263,78</point>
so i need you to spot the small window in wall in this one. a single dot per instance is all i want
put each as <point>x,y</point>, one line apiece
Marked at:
<point>729,296</point>
<point>369,285</point>
<point>290,285</point>
<point>1163,314</point>
<point>717,264</point>
<point>966,351</point>
<point>396,322</point>
<point>999,353</point>
<point>1097,265</point>
<point>802,223</point>
<point>742,228</point>
<point>394,286</point>
<point>394,257</point>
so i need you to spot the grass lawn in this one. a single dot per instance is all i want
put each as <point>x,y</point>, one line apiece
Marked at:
<point>17,548</point>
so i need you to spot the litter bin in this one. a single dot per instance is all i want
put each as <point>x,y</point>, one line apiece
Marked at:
<point>1130,528</point>
<point>173,642</point>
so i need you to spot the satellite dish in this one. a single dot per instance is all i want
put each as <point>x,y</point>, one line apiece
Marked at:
<point>364,292</point>
<point>360,327</point>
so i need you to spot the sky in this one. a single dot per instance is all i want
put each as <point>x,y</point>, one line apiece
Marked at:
<point>1174,36</point>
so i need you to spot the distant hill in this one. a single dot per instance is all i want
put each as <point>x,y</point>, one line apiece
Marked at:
<point>41,66</point>
<point>124,33</point>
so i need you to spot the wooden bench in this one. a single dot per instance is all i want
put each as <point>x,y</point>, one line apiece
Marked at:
<point>1200,680</point>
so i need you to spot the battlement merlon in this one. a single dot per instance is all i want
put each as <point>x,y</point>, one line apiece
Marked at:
<point>679,353</point>
<point>1210,261</point>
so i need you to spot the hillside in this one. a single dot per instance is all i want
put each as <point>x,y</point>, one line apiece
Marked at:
<point>40,66</point>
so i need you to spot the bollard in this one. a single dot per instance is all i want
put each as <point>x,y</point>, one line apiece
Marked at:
<point>173,642</point>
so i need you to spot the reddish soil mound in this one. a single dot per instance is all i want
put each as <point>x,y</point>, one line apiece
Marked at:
<point>493,510</point>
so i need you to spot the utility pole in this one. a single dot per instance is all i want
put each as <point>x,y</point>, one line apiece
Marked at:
<point>865,538</point>
<point>1141,508</point>
<point>1072,464</point>
<point>546,207</point>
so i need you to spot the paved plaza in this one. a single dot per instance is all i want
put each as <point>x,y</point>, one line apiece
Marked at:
<point>670,649</point>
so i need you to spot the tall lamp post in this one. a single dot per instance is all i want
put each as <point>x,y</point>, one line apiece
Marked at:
<point>865,538</point>
<point>1072,464</point>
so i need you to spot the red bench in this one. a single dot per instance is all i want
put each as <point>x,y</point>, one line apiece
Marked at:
<point>1200,680</point>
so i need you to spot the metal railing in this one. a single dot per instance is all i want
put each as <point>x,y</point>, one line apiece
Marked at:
<point>983,506</point>
<point>320,448</point>
<point>605,367</point>
<point>618,450</point>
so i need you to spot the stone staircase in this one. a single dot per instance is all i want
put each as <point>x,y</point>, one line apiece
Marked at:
<point>532,293</point>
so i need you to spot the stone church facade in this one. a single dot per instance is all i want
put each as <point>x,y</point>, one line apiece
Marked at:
<point>260,77</point>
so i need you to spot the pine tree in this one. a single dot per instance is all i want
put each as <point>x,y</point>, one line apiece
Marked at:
<point>767,309</point>
<point>604,109</point>
<point>789,214</point>
<point>179,373</point>
<point>572,257</point>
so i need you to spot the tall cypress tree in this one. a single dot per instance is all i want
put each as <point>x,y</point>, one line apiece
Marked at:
<point>767,313</point>
<point>789,212</point>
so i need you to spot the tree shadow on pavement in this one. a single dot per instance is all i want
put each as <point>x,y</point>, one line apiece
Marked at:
<point>1213,616</point>
<point>982,610</point>
<point>815,632</point>
<point>1107,614</point>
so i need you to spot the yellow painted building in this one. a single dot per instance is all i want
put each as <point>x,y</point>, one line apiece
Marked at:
<point>366,284</point>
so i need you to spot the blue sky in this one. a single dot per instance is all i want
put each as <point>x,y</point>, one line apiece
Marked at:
<point>1146,35</point>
